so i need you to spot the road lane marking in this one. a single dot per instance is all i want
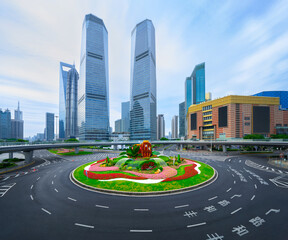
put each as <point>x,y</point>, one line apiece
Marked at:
<point>181,206</point>
<point>101,206</point>
<point>45,211</point>
<point>55,190</point>
<point>228,189</point>
<point>72,199</point>
<point>84,225</point>
<point>52,182</point>
<point>250,177</point>
<point>17,175</point>
<point>54,176</point>
<point>236,196</point>
<point>25,173</point>
<point>255,186</point>
<point>234,182</point>
<point>140,231</point>
<point>38,178</point>
<point>31,187</point>
<point>31,197</point>
<point>252,197</point>
<point>212,198</point>
<point>5,178</point>
<point>237,210</point>
<point>141,209</point>
<point>273,210</point>
<point>196,225</point>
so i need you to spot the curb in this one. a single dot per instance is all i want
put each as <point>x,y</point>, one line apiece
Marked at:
<point>17,168</point>
<point>143,194</point>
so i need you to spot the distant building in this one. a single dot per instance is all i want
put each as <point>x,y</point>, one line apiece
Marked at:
<point>93,87</point>
<point>125,116</point>
<point>118,124</point>
<point>39,137</point>
<point>182,117</point>
<point>283,96</point>
<point>174,127</point>
<point>195,86</point>
<point>49,130</point>
<point>5,124</point>
<point>17,124</point>
<point>236,116</point>
<point>208,96</point>
<point>160,126</point>
<point>143,99</point>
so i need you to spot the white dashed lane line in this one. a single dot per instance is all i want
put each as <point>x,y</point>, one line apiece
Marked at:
<point>52,182</point>
<point>5,178</point>
<point>46,211</point>
<point>17,175</point>
<point>55,190</point>
<point>84,225</point>
<point>255,186</point>
<point>228,189</point>
<point>31,197</point>
<point>72,199</point>
<point>237,210</point>
<point>196,225</point>
<point>140,231</point>
<point>234,182</point>
<point>31,187</point>
<point>252,197</point>
<point>38,178</point>
<point>141,209</point>
<point>101,206</point>
<point>181,206</point>
<point>212,198</point>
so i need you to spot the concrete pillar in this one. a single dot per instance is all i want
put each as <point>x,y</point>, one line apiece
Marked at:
<point>10,155</point>
<point>28,156</point>
<point>115,147</point>
<point>76,150</point>
<point>181,147</point>
<point>224,148</point>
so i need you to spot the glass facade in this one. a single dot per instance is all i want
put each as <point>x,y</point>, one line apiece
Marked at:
<point>64,69</point>
<point>188,93</point>
<point>5,124</point>
<point>160,126</point>
<point>49,127</point>
<point>71,129</point>
<point>182,116</point>
<point>93,88</point>
<point>143,98</point>
<point>283,95</point>
<point>198,88</point>
<point>125,116</point>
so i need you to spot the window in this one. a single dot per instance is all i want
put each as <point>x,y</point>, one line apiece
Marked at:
<point>193,118</point>
<point>247,124</point>
<point>246,118</point>
<point>207,118</point>
<point>207,108</point>
<point>222,117</point>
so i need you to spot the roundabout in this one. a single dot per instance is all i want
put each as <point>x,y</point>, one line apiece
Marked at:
<point>141,171</point>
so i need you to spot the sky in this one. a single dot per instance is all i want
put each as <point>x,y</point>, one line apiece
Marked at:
<point>244,45</point>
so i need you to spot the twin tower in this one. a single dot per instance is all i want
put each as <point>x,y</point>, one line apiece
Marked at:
<point>84,107</point>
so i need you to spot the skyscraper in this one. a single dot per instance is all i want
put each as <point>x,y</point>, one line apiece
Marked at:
<point>17,124</point>
<point>143,99</point>
<point>5,124</point>
<point>160,126</point>
<point>63,74</point>
<point>182,117</point>
<point>71,104</point>
<point>118,127</point>
<point>125,116</point>
<point>93,88</point>
<point>174,127</point>
<point>49,130</point>
<point>195,86</point>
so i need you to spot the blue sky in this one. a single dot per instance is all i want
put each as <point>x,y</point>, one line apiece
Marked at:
<point>243,43</point>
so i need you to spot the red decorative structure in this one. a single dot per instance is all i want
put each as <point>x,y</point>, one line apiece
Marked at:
<point>146,149</point>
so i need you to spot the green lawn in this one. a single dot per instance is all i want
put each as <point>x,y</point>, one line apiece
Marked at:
<point>206,173</point>
<point>55,151</point>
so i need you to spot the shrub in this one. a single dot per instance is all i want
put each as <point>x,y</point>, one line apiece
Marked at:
<point>148,165</point>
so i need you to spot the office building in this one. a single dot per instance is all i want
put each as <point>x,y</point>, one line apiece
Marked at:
<point>71,127</point>
<point>93,85</point>
<point>5,124</point>
<point>182,117</point>
<point>17,124</point>
<point>174,127</point>
<point>118,127</point>
<point>49,130</point>
<point>160,126</point>
<point>125,116</point>
<point>195,86</point>
<point>143,98</point>
<point>208,96</point>
<point>283,96</point>
<point>235,116</point>
<point>63,75</point>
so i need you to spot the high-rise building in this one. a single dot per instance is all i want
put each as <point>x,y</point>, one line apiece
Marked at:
<point>93,87</point>
<point>63,75</point>
<point>118,124</point>
<point>5,124</point>
<point>182,117</point>
<point>174,127</point>
<point>195,86</point>
<point>143,99</point>
<point>71,128</point>
<point>125,116</point>
<point>49,130</point>
<point>160,126</point>
<point>208,96</point>
<point>17,124</point>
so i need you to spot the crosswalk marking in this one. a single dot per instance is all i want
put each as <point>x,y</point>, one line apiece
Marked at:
<point>5,188</point>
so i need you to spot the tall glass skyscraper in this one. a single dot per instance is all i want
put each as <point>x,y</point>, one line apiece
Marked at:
<point>49,130</point>
<point>143,99</point>
<point>63,73</point>
<point>71,128</point>
<point>182,117</point>
<point>125,116</point>
<point>93,88</point>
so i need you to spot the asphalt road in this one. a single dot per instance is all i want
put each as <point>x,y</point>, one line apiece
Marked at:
<point>247,201</point>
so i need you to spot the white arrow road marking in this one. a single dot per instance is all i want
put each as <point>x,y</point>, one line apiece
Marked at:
<point>273,210</point>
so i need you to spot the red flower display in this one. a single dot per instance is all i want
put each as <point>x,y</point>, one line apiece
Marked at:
<point>189,172</point>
